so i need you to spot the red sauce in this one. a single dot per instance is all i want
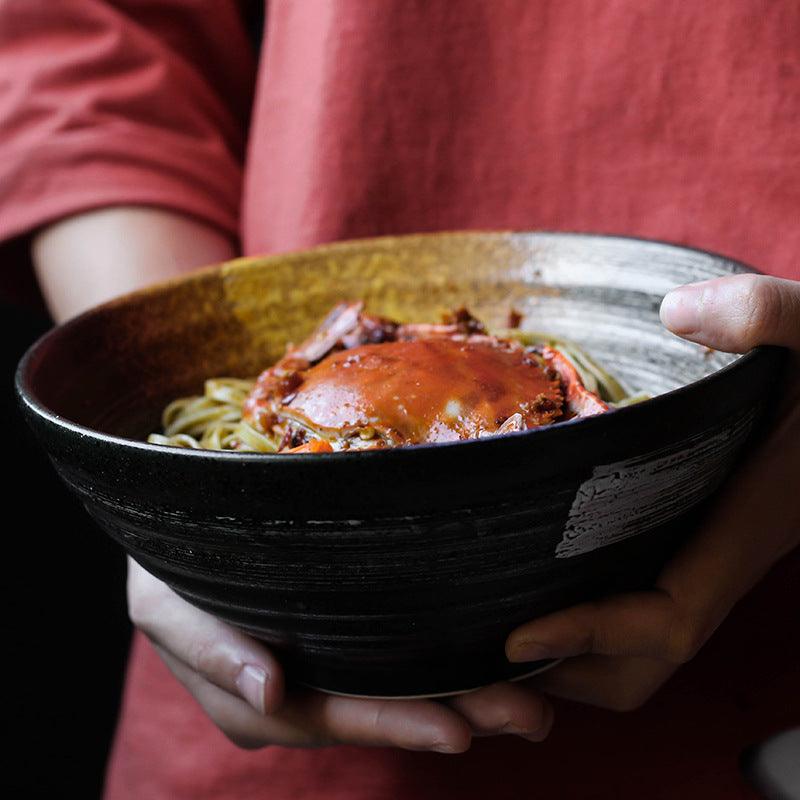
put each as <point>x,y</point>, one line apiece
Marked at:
<point>427,390</point>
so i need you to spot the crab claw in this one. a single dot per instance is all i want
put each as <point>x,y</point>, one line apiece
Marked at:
<point>342,319</point>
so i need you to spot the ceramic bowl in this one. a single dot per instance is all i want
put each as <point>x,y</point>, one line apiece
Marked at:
<point>400,572</point>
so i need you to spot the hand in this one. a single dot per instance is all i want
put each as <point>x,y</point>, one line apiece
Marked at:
<point>622,649</point>
<point>240,685</point>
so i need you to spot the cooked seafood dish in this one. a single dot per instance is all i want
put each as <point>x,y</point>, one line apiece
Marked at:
<point>361,381</point>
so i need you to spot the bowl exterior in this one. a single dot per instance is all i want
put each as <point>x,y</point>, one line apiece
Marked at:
<point>402,575</point>
<point>401,572</point>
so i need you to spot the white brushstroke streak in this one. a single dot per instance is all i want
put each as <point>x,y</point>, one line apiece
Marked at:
<point>628,497</point>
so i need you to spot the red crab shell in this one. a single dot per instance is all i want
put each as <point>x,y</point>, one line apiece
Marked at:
<point>361,382</point>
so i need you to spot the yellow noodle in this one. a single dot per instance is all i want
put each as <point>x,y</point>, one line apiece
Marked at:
<point>632,400</point>
<point>181,440</point>
<point>213,420</point>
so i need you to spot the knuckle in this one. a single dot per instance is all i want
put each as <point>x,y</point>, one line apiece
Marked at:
<point>630,697</point>
<point>634,690</point>
<point>238,726</point>
<point>634,684</point>
<point>242,740</point>
<point>141,607</point>
<point>578,630</point>
<point>684,641</point>
<point>586,636</point>
<point>135,612</point>
<point>378,721</point>
<point>144,599</point>
<point>762,309</point>
<point>203,657</point>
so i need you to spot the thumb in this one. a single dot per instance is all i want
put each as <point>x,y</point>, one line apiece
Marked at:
<point>737,313</point>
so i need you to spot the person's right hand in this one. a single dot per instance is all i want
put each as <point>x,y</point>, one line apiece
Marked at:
<point>240,685</point>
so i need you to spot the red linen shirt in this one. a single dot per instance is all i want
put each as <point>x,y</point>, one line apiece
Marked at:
<point>667,119</point>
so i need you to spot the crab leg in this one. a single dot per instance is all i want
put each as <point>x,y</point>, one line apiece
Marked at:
<point>580,401</point>
<point>343,318</point>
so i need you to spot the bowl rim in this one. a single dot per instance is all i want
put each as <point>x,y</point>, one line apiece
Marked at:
<point>27,396</point>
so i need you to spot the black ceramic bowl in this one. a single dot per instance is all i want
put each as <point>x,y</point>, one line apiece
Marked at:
<point>399,572</point>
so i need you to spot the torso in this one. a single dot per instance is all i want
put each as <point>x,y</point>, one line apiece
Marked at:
<point>668,120</point>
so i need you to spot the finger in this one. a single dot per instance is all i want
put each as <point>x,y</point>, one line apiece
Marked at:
<point>234,716</point>
<point>409,724</point>
<point>636,624</point>
<point>505,708</point>
<point>618,684</point>
<point>736,313</point>
<point>313,719</point>
<point>222,655</point>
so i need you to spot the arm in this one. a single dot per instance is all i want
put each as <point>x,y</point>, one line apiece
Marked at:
<point>87,259</point>
<point>119,103</point>
<point>622,649</point>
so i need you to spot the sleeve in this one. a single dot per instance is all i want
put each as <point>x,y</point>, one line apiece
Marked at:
<point>109,102</point>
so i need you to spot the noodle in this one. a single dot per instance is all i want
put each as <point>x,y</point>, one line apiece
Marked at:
<point>213,420</point>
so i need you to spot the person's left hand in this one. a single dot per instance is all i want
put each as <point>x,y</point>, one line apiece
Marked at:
<point>620,650</point>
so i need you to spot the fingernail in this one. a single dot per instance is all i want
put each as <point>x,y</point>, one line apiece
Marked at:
<point>510,727</point>
<point>539,735</point>
<point>250,682</point>
<point>529,651</point>
<point>443,747</point>
<point>681,308</point>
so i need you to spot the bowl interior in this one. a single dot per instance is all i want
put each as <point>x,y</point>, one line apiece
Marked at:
<point>118,364</point>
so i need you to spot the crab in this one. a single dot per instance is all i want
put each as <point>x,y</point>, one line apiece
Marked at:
<point>361,381</point>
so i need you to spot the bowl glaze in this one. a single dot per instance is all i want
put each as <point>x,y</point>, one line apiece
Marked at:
<point>400,572</point>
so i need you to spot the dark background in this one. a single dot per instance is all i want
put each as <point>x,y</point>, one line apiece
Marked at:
<point>68,629</point>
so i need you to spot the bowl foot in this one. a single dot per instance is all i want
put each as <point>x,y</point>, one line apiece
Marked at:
<point>542,667</point>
